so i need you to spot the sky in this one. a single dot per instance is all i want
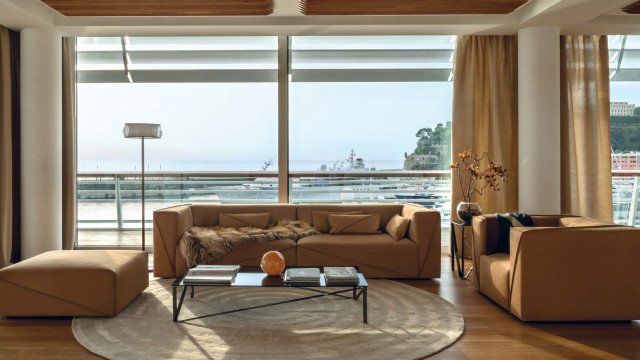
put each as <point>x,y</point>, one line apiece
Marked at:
<point>628,91</point>
<point>233,126</point>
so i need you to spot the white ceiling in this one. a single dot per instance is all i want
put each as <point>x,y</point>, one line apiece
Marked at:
<point>572,16</point>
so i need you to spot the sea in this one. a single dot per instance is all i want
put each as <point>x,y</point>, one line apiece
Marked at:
<point>243,165</point>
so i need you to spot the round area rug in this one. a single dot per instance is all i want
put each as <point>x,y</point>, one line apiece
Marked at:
<point>404,323</point>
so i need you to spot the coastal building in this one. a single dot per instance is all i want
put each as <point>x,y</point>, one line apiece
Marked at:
<point>625,161</point>
<point>620,108</point>
<point>413,161</point>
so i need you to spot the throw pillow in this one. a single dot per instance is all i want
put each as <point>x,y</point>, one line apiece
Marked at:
<point>260,221</point>
<point>505,223</point>
<point>354,224</point>
<point>397,227</point>
<point>321,219</point>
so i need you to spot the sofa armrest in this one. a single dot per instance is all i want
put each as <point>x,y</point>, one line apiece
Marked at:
<point>425,232</point>
<point>483,240</point>
<point>168,226</point>
<point>551,269</point>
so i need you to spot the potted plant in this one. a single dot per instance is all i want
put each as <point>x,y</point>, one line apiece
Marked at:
<point>475,175</point>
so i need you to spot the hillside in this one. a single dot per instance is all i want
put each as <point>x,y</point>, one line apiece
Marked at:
<point>625,133</point>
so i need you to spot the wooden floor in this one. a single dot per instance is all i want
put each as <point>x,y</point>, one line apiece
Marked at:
<point>490,332</point>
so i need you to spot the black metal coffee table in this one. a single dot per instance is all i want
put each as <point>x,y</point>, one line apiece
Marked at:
<point>251,276</point>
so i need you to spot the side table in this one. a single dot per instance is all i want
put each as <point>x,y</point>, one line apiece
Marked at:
<point>457,257</point>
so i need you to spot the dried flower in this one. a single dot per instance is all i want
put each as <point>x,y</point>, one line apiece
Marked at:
<point>473,179</point>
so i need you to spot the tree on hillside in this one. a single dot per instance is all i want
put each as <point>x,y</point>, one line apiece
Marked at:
<point>625,133</point>
<point>436,141</point>
<point>636,111</point>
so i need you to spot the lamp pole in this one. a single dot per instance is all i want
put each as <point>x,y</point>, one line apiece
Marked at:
<point>142,131</point>
<point>144,245</point>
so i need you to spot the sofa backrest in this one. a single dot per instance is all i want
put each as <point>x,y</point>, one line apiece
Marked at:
<point>493,229</point>
<point>386,211</point>
<point>207,214</point>
<point>583,222</point>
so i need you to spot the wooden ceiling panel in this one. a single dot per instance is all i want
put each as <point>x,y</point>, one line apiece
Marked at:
<point>409,7</point>
<point>161,7</point>
<point>632,8</point>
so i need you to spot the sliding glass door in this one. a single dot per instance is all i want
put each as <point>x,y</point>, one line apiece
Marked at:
<point>216,100</point>
<point>369,120</point>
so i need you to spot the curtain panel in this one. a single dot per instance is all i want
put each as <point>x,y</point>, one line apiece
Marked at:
<point>69,179</point>
<point>586,127</point>
<point>485,112</point>
<point>9,147</point>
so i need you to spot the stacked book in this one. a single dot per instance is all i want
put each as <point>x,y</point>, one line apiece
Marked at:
<point>341,276</point>
<point>302,276</point>
<point>212,274</point>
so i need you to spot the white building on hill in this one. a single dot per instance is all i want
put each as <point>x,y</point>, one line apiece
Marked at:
<point>619,108</point>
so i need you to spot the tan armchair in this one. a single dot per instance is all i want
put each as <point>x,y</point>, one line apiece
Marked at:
<point>565,268</point>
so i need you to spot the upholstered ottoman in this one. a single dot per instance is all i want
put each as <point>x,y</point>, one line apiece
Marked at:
<point>73,283</point>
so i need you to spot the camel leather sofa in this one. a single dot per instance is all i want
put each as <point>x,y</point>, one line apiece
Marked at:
<point>376,255</point>
<point>565,268</point>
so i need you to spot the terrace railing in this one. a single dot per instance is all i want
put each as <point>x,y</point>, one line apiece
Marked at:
<point>626,196</point>
<point>111,201</point>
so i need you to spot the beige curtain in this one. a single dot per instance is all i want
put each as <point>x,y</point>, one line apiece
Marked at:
<point>585,129</point>
<point>9,147</point>
<point>485,112</point>
<point>69,211</point>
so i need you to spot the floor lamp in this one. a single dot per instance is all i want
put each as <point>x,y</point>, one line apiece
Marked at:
<point>142,131</point>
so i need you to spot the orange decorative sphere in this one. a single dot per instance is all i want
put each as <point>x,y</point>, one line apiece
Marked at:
<point>272,263</point>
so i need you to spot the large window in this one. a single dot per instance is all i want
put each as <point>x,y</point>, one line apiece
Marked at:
<point>367,106</point>
<point>216,99</point>
<point>625,127</point>
<point>369,121</point>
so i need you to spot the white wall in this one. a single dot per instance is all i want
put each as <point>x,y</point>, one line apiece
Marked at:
<point>539,119</point>
<point>41,140</point>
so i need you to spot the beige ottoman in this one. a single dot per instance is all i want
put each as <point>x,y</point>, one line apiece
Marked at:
<point>73,283</point>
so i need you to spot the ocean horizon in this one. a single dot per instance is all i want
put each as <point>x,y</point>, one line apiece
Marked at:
<point>245,165</point>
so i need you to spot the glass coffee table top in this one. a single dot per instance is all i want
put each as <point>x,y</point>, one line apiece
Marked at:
<point>253,276</point>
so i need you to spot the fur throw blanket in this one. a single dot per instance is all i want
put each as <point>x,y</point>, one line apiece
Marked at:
<point>205,245</point>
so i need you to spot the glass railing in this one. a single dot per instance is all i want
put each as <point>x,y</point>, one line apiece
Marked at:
<point>626,197</point>
<point>109,203</point>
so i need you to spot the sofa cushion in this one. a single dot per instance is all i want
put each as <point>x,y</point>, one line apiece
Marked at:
<point>397,227</point>
<point>207,214</point>
<point>73,283</point>
<point>380,251</point>
<point>386,211</point>
<point>320,219</point>
<point>505,223</point>
<point>494,277</point>
<point>354,224</point>
<point>260,221</point>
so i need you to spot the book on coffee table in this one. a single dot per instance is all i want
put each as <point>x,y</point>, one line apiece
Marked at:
<point>302,276</point>
<point>212,274</point>
<point>334,275</point>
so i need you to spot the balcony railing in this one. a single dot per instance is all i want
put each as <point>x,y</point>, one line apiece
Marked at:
<point>626,196</point>
<point>110,202</point>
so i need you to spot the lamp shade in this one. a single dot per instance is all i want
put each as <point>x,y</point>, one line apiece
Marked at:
<point>142,130</point>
